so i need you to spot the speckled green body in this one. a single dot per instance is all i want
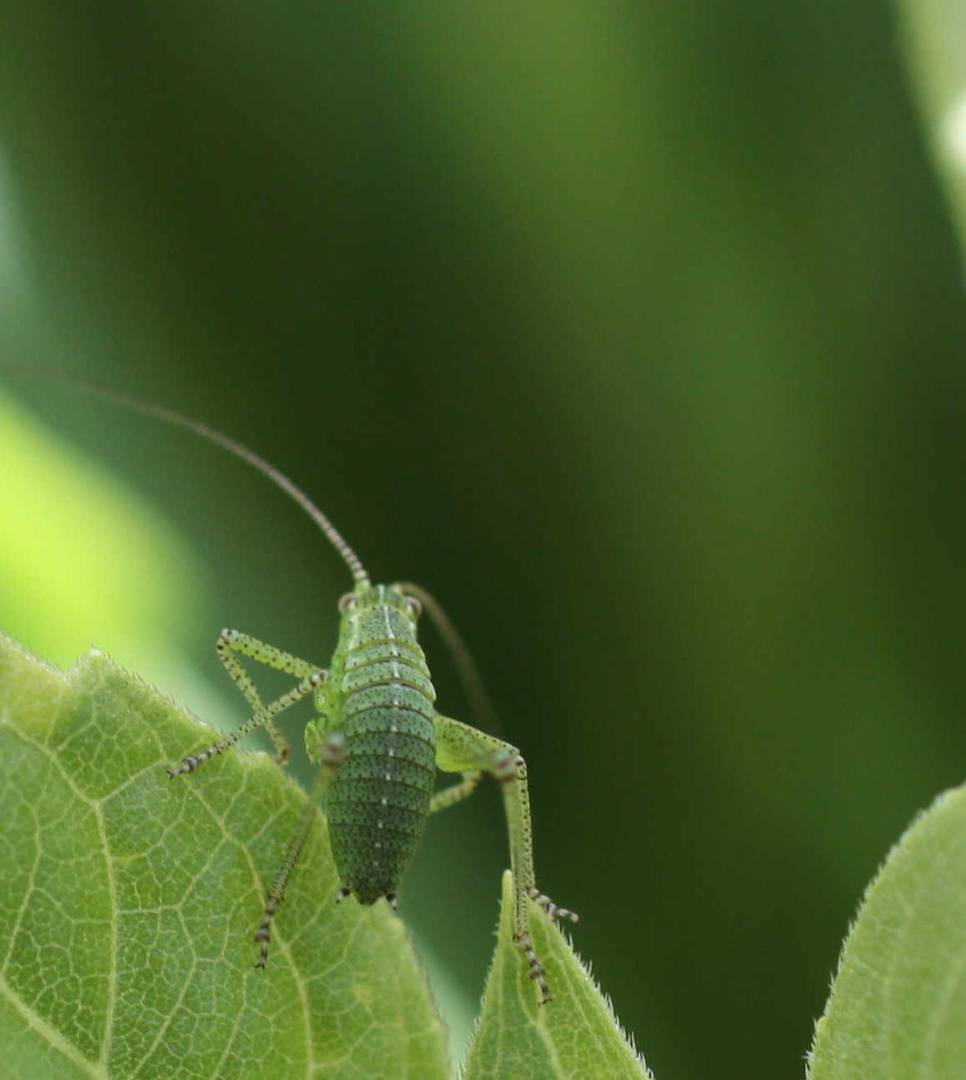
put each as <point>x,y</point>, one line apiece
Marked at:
<point>380,697</point>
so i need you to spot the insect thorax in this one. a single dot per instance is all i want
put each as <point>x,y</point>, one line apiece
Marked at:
<point>381,699</point>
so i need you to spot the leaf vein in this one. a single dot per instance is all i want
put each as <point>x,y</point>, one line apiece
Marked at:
<point>163,1028</point>
<point>31,885</point>
<point>53,1035</point>
<point>279,940</point>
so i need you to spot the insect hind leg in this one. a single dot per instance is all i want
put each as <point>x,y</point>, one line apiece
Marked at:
<point>461,748</point>
<point>552,910</point>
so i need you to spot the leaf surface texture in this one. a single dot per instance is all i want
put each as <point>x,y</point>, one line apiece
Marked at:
<point>128,902</point>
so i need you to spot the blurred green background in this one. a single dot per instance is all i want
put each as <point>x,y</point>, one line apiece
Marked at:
<point>633,331</point>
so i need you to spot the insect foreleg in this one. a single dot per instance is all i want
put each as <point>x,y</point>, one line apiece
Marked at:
<point>461,748</point>
<point>232,642</point>
<point>264,716</point>
<point>331,756</point>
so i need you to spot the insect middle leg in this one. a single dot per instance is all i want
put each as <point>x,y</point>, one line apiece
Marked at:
<point>461,748</point>
<point>455,793</point>
<point>331,756</point>
<point>231,644</point>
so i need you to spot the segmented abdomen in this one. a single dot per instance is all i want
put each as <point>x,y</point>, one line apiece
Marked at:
<point>379,798</point>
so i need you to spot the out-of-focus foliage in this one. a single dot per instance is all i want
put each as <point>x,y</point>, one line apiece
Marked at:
<point>123,574</point>
<point>898,1000</point>
<point>633,331</point>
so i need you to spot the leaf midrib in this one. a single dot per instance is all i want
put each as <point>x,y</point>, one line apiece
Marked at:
<point>53,1035</point>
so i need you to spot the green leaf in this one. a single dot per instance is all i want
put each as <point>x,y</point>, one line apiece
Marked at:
<point>898,1002</point>
<point>575,1035</point>
<point>935,34</point>
<point>128,902</point>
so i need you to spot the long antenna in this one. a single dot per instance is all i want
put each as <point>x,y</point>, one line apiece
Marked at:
<point>257,462</point>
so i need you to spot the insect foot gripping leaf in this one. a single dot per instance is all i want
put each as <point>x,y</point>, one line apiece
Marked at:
<point>577,1037</point>
<point>898,1002</point>
<point>127,905</point>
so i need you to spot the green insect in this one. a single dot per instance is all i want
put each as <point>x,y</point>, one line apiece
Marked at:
<point>378,739</point>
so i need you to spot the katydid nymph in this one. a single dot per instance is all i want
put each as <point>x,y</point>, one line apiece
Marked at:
<point>377,738</point>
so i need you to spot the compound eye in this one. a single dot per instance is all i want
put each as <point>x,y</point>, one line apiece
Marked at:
<point>346,601</point>
<point>415,607</point>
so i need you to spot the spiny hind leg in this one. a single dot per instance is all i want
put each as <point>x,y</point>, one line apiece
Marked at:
<point>262,717</point>
<point>461,748</point>
<point>233,643</point>
<point>331,755</point>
